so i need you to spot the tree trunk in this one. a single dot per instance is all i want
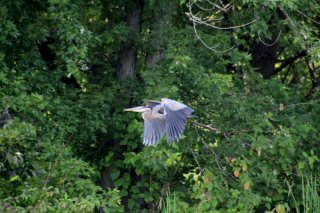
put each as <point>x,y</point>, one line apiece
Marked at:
<point>264,59</point>
<point>160,30</point>
<point>128,54</point>
<point>126,70</point>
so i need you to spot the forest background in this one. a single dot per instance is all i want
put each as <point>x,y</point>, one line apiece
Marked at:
<point>250,69</point>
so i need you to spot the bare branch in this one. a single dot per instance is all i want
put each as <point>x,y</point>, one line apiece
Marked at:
<point>213,129</point>
<point>205,9</point>
<point>194,156</point>
<point>216,158</point>
<point>288,17</point>
<point>210,19</point>
<point>222,28</point>
<point>273,43</point>
<point>210,48</point>
<point>199,21</point>
<point>224,8</point>
<point>308,17</point>
<point>289,61</point>
<point>301,34</point>
<point>315,81</point>
<point>303,103</point>
<point>311,69</point>
<point>198,36</point>
<point>286,74</point>
<point>291,22</point>
<point>209,127</point>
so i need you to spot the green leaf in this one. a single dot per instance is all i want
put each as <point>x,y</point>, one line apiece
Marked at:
<point>115,174</point>
<point>14,178</point>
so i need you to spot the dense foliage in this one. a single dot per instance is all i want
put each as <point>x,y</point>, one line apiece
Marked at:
<point>68,68</point>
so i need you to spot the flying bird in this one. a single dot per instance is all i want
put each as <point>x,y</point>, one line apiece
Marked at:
<point>165,116</point>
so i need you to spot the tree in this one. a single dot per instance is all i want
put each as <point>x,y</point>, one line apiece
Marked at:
<point>69,68</point>
<point>280,34</point>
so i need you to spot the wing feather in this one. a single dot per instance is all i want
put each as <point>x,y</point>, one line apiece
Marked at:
<point>176,114</point>
<point>153,131</point>
<point>173,123</point>
<point>177,128</point>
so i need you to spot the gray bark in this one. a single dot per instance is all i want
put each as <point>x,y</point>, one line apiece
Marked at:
<point>160,31</point>
<point>128,54</point>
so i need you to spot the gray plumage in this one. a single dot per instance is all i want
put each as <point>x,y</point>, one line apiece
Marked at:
<point>163,117</point>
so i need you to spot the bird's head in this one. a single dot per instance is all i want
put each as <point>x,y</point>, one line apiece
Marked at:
<point>138,109</point>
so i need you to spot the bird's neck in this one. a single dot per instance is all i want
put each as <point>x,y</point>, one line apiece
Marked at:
<point>156,112</point>
<point>147,114</point>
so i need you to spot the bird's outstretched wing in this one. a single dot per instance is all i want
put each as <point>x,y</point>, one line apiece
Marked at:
<point>153,131</point>
<point>176,114</point>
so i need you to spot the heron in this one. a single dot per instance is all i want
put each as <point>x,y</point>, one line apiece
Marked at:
<point>163,117</point>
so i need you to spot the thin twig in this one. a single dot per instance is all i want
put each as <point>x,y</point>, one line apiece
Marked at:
<point>215,157</point>
<point>213,152</point>
<point>194,156</point>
